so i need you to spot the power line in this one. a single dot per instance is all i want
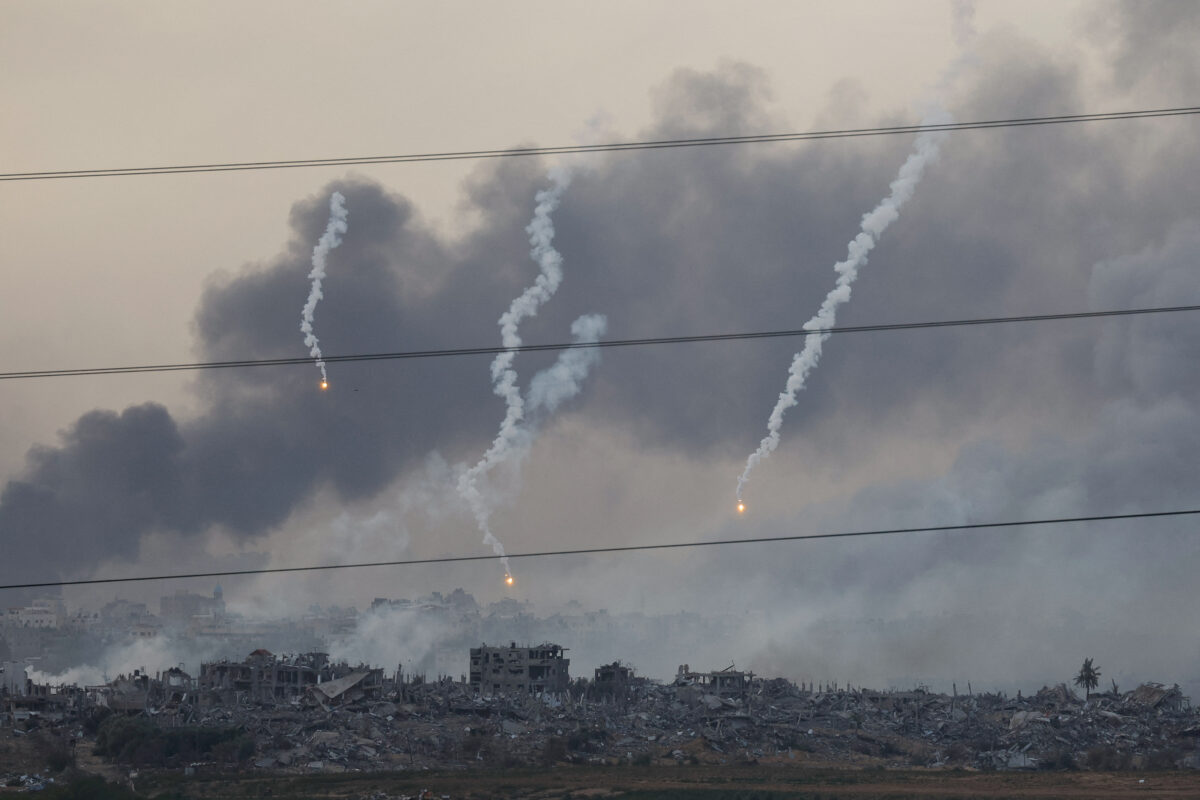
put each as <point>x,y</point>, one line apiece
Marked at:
<point>654,340</point>
<point>618,549</point>
<point>660,144</point>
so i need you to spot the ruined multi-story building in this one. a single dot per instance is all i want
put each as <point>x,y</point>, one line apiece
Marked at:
<point>509,670</point>
<point>262,677</point>
<point>613,680</point>
<point>618,682</point>
<point>266,678</point>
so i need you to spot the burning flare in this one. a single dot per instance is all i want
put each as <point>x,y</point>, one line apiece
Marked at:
<point>874,223</point>
<point>509,579</point>
<point>329,240</point>
<point>550,386</point>
<point>741,507</point>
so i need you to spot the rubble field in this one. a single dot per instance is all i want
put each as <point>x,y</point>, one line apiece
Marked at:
<point>399,731</point>
<point>444,725</point>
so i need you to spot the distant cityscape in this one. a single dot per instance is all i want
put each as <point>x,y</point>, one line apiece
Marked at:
<point>433,633</point>
<point>53,640</point>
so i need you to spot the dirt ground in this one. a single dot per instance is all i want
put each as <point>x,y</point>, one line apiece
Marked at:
<point>662,781</point>
<point>754,782</point>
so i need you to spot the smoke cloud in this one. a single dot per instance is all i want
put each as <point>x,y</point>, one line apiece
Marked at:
<point>148,655</point>
<point>913,428</point>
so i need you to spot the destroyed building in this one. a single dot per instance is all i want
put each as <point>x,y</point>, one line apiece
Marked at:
<point>613,679</point>
<point>269,679</point>
<point>508,670</point>
<point>727,682</point>
<point>361,684</point>
<point>263,677</point>
<point>126,694</point>
<point>616,681</point>
<point>177,686</point>
<point>1161,698</point>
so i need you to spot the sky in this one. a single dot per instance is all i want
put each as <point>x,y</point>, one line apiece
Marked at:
<point>121,475</point>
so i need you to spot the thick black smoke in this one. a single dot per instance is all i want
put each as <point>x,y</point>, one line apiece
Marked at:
<point>672,242</point>
<point>268,437</point>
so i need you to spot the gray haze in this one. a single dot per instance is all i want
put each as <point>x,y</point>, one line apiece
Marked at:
<point>922,427</point>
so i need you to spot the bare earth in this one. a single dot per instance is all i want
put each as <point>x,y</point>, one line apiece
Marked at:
<point>757,782</point>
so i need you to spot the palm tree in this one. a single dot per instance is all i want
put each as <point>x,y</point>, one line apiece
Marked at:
<point>1088,677</point>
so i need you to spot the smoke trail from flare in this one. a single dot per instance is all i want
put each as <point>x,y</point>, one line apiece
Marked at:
<point>874,224</point>
<point>547,390</point>
<point>563,380</point>
<point>329,240</point>
<point>504,377</point>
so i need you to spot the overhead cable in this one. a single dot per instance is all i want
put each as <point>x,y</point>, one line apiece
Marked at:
<point>974,526</point>
<point>604,343</point>
<point>659,144</point>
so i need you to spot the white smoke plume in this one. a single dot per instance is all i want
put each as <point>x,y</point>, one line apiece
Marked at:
<point>562,380</point>
<point>547,390</point>
<point>330,239</point>
<point>874,224</point>
<point>150,655</point>
<point>391,637</point>
<point>549,387</point>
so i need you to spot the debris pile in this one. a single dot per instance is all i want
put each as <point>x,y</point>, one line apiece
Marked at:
<point>26,783</point>
<point>443,724</point>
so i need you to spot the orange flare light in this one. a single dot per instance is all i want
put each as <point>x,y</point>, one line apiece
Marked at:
<point>509,580</point>
<point>741,508</point>
<point>324,385</point>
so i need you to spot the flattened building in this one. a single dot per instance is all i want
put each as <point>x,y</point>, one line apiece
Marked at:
<point>512,669</point>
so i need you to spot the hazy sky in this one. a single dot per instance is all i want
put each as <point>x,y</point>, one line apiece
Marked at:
<point>113,475</point>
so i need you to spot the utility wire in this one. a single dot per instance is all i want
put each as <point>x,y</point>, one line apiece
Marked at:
<point>620,549</point>
<point>527,348</point>
<point>660,144</point>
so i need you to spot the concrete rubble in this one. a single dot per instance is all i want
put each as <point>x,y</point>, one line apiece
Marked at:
<point>364,720</point>
<point>25,783</point>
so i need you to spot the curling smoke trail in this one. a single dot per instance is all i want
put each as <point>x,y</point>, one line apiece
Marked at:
<point>504,377</point>
<point>874,224</point>
<point>329,240</point>
<point>563,379</point>
<point>547,390</point>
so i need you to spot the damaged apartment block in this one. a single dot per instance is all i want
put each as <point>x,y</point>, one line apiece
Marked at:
<point>267,678</point>
<point>512,669</point>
